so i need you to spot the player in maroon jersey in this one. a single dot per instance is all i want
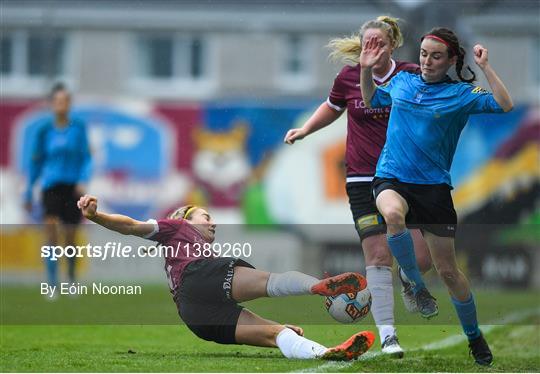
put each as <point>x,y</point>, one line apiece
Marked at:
<point>207,289</point>
<point>366,135</point>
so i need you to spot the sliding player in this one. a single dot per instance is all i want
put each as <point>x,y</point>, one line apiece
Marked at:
<point>207,289</point>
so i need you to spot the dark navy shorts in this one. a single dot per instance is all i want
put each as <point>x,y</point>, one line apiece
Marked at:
<point>204,299</point>
<point>430,205</point>
<point>367,219</point>
<point>61,201</point>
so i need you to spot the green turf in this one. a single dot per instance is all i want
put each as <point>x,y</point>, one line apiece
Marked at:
<point>155,307</point>
<point>166,348</point>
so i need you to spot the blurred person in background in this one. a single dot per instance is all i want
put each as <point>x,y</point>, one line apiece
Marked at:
<point>366,135</point>
<point>60,158</point>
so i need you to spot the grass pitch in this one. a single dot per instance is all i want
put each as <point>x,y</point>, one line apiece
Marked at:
<point>173,348</point>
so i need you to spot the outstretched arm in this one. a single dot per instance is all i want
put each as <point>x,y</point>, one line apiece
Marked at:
<point>115,222</point>
<point>323,116</point>
<point>370,55</point>
<point>500,93</point>
<point>86,162</point>
<point>35,166</point>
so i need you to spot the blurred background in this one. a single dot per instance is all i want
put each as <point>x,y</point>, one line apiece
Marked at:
<point>189,101</point>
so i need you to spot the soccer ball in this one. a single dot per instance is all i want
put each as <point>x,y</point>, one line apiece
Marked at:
<point>349,307</point>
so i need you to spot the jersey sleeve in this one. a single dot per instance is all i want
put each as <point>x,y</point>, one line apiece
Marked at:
<point>382,96</point>
<point>413,68</point>
<point>86,158</point>
<point>164,229</point>
<point>336,99</point>
<point>36,159</point>
<point>479,100</point>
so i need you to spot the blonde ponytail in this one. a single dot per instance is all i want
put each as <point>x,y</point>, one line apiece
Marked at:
<point>347,49</point>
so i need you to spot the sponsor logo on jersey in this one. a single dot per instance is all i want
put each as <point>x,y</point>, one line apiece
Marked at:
<point>227,281</point>
<point>367,221</point>
<point>478,89</point>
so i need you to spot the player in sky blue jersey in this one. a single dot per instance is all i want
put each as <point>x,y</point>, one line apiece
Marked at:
<point>60,158</point>
<point>412,183</point>
<point>366,135</point>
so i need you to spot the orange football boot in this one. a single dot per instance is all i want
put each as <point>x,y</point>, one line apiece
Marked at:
<point>342,283</point>
<point>354,347</point>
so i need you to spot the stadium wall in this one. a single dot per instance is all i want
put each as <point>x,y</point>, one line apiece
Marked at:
<point>152,157</point>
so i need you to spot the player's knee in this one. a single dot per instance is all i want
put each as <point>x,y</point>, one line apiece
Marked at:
<point>378,256</point>
<point>449,276</point>
<point>393,215</point>
<point>51,220</point>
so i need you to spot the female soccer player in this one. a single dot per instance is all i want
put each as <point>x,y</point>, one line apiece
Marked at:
<point>412,183</point>
<point>60,156</point>
<point>207,290</point>
<point>366,134</point>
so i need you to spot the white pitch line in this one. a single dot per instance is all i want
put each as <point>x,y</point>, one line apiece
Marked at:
<point>331,366</point>
<point>460,338</point>
<point>443,343</point>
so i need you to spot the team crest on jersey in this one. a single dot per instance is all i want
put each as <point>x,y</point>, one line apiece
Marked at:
<point>478,89</point>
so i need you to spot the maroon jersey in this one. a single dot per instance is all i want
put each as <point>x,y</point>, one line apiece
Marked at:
<point>181,244</point>
<point>366,128</point>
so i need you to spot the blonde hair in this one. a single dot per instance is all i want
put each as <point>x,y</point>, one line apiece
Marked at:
<point>184,212</point>
<point>348,49</point>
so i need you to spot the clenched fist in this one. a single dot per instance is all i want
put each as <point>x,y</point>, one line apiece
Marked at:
<point>88,205</point>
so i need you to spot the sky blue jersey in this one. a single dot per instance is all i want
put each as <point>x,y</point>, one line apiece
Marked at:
<point>425,123</point>
<point>59,155</point>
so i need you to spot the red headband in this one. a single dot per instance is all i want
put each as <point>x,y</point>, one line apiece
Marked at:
<point>431,36</point>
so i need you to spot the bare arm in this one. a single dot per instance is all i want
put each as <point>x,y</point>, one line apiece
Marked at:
<point>323,116</point>
<point>500,93</point>
<point>115,222</point>
<point>370,55</point>
<point>367,85</point>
